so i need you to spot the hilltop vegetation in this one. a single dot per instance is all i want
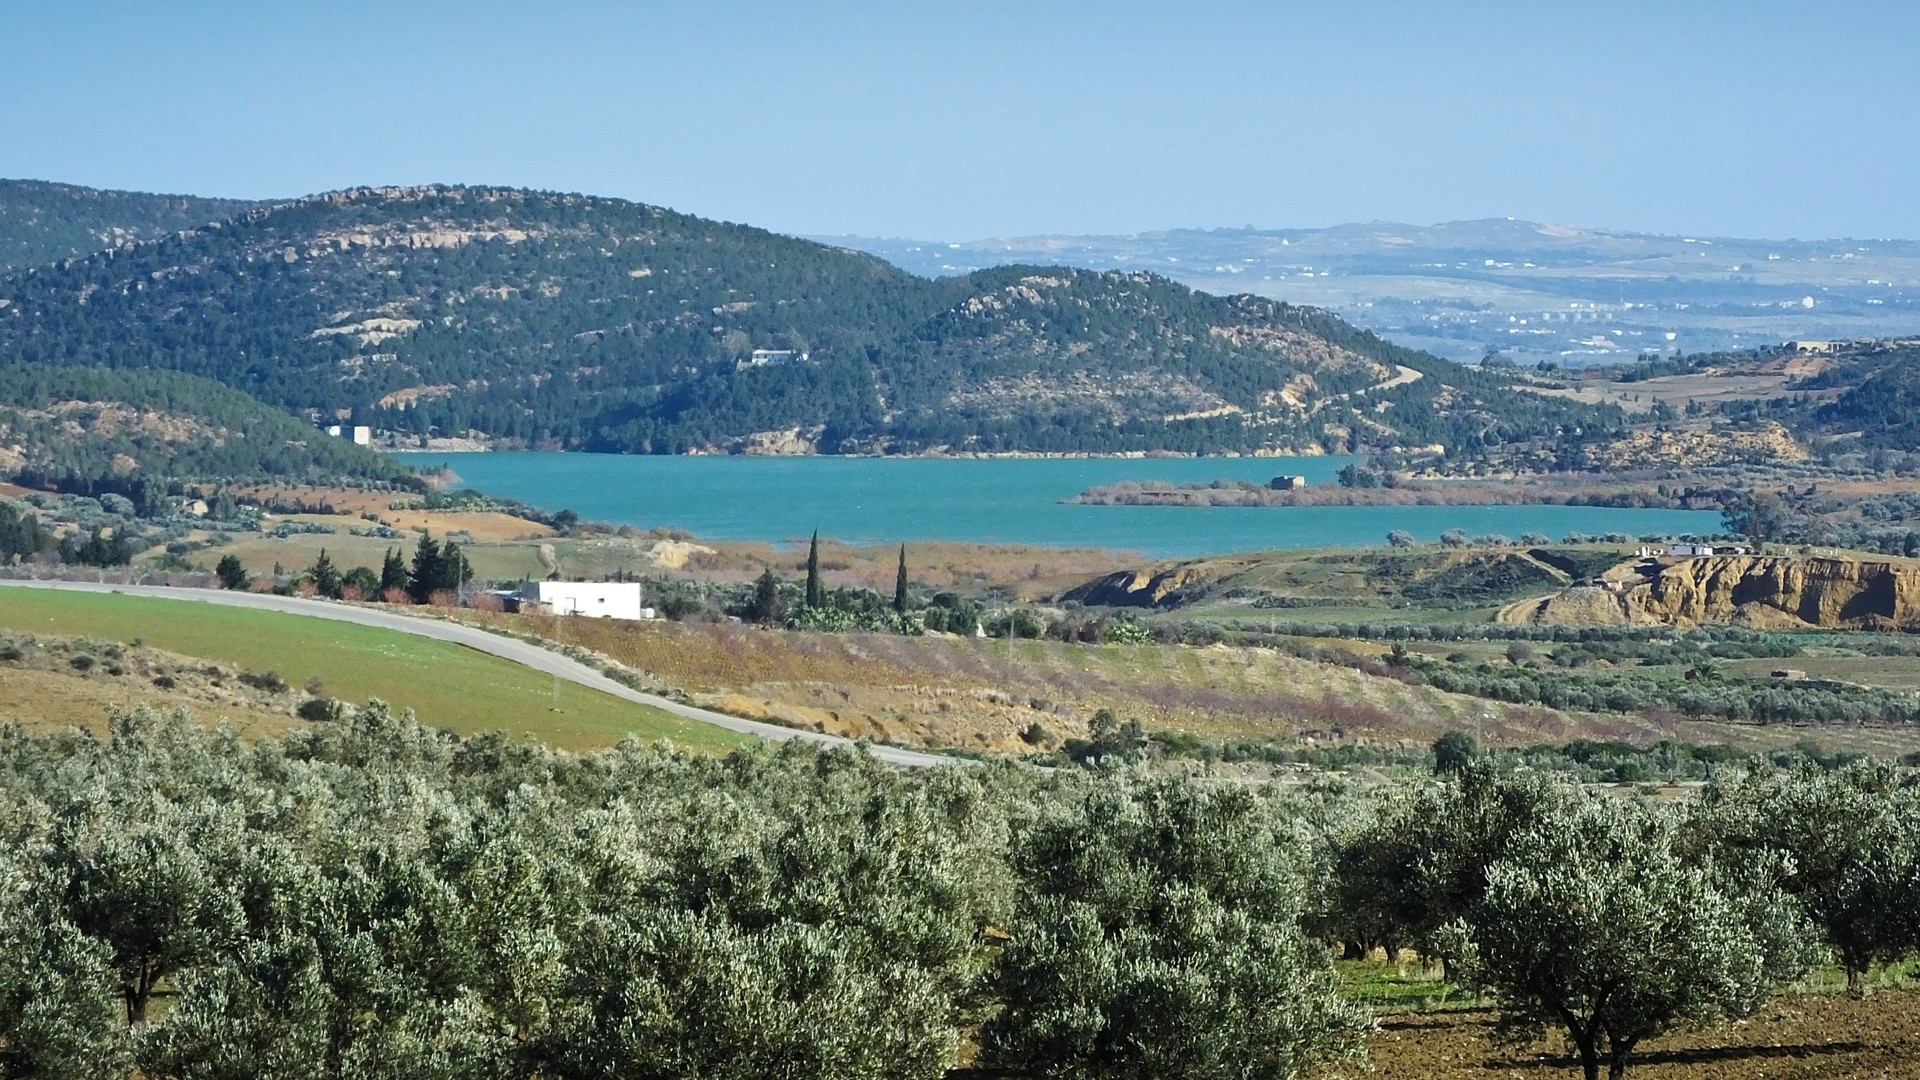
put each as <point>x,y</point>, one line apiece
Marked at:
<point>42,222</point>
<point>602,324</point>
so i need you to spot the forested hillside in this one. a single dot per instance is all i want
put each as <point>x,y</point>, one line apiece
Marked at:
<point>42,222</point>
<point>597,323</point>
<point>1881,403</point>
<point>89,429</point>
<point>1851,394</point>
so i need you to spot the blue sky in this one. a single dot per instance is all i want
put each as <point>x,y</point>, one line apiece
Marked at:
<point>962,120</point>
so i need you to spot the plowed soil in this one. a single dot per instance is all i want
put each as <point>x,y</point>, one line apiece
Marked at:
<point>1794,1038</point>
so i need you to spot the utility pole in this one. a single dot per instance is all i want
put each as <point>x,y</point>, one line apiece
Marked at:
<point>559,639</point>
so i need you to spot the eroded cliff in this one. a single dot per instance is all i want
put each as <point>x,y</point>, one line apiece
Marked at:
<point>1764,592</point>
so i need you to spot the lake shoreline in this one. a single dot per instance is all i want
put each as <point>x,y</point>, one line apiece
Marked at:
<point>474,446</point>
<point>1532,491</point>
<point>862,501</point>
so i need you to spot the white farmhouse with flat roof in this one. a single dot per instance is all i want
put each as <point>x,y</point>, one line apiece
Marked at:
<point>595,599</point>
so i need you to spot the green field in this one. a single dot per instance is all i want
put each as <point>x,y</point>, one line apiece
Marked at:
<point>446,685</point>
<point>1891,672</point>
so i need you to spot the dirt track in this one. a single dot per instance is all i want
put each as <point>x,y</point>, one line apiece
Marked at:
<point>1794,1038</point>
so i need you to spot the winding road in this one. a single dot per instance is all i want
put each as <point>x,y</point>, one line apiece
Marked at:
<point>519,652</point>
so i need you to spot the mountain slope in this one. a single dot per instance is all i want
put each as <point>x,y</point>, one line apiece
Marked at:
<point>1058,359</point>
<point>597,323</point>
<point>42,222</point>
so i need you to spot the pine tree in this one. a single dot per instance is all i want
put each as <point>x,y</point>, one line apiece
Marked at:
<point>766,597</point>
<point>426,570</point>
<point>20,533</point>
<point>900,583</point>
<point>230,571</point>
<point>815,597</point>
<point>454,570</point>
<point>393,573</point>
<point>326,576</point>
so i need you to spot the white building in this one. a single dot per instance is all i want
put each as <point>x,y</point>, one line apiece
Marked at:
<point>594,599</point>
<point>361,434</point>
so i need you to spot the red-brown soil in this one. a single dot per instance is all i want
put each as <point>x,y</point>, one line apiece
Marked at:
<point>1793,1038</point>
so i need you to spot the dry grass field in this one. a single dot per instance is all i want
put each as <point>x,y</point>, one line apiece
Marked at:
<point>1676,390</point>
<point>983,694</point>
<point>349,504</point>
<point>50,700</point>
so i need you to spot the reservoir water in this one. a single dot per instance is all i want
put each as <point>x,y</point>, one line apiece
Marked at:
<point>995,500</point>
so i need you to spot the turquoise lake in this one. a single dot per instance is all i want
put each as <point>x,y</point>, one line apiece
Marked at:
<point>999,500</point>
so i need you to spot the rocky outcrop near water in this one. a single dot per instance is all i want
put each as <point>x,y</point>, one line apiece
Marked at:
<point>1762,592</point>
<point>1163,587</point>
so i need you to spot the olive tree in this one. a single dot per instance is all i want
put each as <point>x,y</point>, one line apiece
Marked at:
<point>1423,864</point>
<point>1156,933</point>
<point>1850,842</point>
<point>1592,922</point>
<point>58,1015</point>
<point>146,888</point>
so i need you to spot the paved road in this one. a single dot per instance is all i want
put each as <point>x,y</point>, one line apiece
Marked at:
<point>533,656</point>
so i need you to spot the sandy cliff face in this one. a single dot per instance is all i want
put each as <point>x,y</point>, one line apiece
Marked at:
<point>1757,591</point>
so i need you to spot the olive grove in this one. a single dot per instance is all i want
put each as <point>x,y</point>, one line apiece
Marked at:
<point>369,898</point>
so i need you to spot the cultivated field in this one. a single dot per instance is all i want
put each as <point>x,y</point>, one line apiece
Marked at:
<point>983,694</point>
<point>1676,390</point>
<point>446,685</point>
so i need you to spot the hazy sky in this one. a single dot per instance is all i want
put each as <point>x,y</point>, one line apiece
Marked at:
<point>965,119</point>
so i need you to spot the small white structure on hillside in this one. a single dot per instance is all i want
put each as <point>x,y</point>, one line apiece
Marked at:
<point>594,599</point>
<point>362,435</point>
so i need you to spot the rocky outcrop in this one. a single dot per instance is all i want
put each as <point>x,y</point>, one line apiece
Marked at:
<point>1168,586</point>
<point>1768,441</point>
<point>1741,590</point>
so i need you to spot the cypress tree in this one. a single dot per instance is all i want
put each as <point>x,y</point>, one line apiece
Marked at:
<point>900,583</point>
<point>815,597</point>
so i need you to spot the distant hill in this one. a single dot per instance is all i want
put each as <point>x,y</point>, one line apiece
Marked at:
<point>92,429</point>
<point>575,321</point>
<point>1533,290</point>
<point>42,222</point>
